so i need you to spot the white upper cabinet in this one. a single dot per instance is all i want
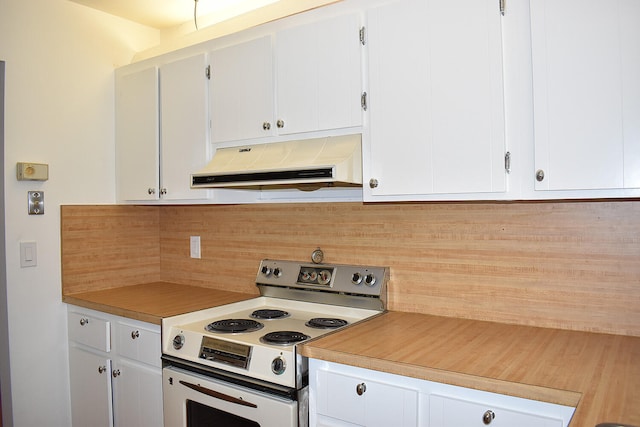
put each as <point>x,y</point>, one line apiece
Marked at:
<point>586,94</point>
<point>137,135</point>
<point>161,130</point>
<point>184,126</point>
<point>242,91</point>
<point>305,78</point>
<point>437,126</point>
<point>319,76</point>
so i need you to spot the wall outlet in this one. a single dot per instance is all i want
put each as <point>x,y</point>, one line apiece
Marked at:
<point>195,246</point>
<point>35,202</point>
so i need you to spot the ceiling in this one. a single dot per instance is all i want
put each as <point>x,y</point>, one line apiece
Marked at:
<point>163,14</point>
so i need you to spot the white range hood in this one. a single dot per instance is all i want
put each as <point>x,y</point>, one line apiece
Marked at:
<point>330,161</point>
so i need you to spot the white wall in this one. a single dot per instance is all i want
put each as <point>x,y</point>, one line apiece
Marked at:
<point>60,58</point>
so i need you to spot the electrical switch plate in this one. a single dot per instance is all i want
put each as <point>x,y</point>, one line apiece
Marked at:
<point>195,246</point>
<point>36,202</point>
<point>28,254</point>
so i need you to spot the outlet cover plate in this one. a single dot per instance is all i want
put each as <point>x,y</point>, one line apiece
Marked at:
<point>36,202</point>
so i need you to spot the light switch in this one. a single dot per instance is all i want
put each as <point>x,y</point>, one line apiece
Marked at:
<point>28,254</point>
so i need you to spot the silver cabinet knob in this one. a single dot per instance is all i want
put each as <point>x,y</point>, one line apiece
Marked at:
<point>488,416</point>
<point>163,190</point>
<point>280,123</point>
<point>539,175</point>
<point>84,321</point>
<point>266,125</point>
<point>135,334</point>
<point>373,183</point>
<point>102,369</point>
<point>116,373</point>
<point>361,388</point>
<point>151,190</point>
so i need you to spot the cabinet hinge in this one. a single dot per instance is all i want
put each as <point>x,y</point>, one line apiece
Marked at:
<point>363,36</point>
<point>502,6</point>
<point>207,72</point>
<point>363,101</point>
<point>507,162</point>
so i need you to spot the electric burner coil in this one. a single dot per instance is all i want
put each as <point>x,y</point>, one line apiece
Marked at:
<point>234,326</point>
<point>284,337</point>
<point>326,323</point>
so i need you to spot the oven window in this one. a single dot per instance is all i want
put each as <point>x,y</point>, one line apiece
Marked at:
<point>199,415</point>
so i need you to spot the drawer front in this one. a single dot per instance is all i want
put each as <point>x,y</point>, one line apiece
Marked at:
<point>89,330</point>
<point>139,343</point>
<point>452,412</point>
<point>361,401</point>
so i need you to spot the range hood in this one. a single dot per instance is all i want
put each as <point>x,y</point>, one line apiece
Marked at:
<point>330,161</point>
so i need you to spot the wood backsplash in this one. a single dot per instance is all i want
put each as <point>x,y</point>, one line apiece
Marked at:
<point>572,265</point>
<point>109,246</point>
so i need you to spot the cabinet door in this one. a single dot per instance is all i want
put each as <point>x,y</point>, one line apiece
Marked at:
<point>449,412</point>
<point>361,401</point>
<point>184,124</point>
<point>90,378</point>
<point>586,72</point>
<point>242,91</point>
<point>137,392</point>
<point>319,76</point>
<point>137,155</point>
<point>436,99</point>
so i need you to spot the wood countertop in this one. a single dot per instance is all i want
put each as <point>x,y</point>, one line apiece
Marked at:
<point>597,373</point>
<point>151,302</point>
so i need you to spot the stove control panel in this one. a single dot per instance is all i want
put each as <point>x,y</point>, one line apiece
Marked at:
<point>332,278</point>
<point>230,353</point>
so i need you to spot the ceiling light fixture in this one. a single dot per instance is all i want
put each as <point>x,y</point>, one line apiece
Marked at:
<point>195,13</point>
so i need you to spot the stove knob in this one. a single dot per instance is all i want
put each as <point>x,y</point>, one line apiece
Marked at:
<point>324,277</point>
<point>178,341</point>
<point>278,365</point>
<point>277,272</point>
<point>356,279</point>
<point>266,271</point>
<point>369,280</point>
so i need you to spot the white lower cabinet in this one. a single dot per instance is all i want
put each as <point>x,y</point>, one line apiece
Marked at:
<point>90,378</point>
<point>346,396</point>
<point>137,395</point>
<point>115,370</point>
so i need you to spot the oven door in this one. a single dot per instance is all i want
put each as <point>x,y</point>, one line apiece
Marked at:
<point>195,400</point>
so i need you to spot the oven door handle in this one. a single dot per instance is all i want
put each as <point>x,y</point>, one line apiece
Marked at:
<point>218,395</point>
